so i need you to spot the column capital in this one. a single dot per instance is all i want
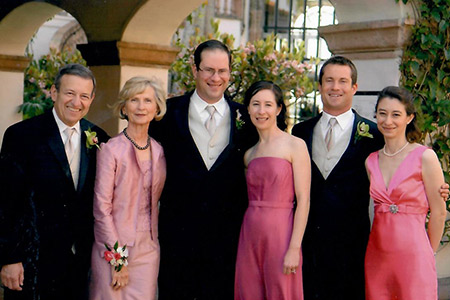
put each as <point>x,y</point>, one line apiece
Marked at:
<point>368,40</point>
<point>146,55</point>
<point>14,63</point>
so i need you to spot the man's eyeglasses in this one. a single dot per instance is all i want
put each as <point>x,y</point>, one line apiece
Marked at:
<point>211,72</point>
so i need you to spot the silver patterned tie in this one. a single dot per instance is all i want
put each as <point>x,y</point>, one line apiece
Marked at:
<point>329,140</point>
<point>70,151</point>
<point>210,122</point>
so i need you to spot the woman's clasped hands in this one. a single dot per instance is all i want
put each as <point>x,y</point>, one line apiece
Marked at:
<point>119,278</point>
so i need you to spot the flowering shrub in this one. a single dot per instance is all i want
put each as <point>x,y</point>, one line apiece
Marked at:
<point>260,60</point>
<point>39,77</point>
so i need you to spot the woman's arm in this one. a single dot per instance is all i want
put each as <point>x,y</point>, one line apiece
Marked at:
<point>104,229</point>
<point>301,166</point>
<point>433,179</point>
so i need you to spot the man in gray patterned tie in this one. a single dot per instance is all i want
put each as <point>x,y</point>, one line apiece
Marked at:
<point>204,198</point>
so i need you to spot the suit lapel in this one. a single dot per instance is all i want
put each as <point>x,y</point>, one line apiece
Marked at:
<point>310,129</point>
<point>56,145</point>
<point>231,143</point>
<point>182,122</point>
<point>309,143</point>
<point>84,156</point>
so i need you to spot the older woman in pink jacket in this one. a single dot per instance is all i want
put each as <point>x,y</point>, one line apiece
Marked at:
<point>131,172</point>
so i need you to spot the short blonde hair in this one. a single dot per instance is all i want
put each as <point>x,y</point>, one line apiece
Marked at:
<point>137,85</point>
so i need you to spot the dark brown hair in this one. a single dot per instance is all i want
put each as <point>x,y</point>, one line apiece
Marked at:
<point>268,85</point>
<point>342,61</point>
<point>413,133</point>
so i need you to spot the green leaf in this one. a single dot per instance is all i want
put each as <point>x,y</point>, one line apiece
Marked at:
<point>447,54</point>
<point>440,75</point>
<point>436,15</point>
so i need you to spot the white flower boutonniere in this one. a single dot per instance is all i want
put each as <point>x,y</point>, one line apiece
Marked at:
<point>239,122</point>
<point>91,139</point>
<point>362,130</point>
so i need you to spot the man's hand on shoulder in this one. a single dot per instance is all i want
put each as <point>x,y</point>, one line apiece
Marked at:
<point>12,276</point>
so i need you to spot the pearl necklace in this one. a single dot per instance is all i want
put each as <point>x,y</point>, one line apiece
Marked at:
<point>395,153</point>
<point>134,143</point>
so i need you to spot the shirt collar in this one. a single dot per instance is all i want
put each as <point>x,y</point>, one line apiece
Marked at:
<point>62,126</point>
<point>343,119</point>
<point>200,104</point>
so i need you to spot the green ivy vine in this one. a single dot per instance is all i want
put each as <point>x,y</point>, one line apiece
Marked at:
<point>425,70</point>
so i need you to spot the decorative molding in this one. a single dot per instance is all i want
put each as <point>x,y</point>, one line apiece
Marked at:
<point>13,63</point>
<point>103,53</point>
<point>368,40</point>
<point>146,55</point>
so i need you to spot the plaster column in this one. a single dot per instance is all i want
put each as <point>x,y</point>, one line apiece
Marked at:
<point>376,48</point>
<point>11,76</point>
<point>113,63</point>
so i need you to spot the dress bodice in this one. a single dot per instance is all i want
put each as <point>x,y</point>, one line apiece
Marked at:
<point>406,191</point>
<point>270,179</point>
<point>143,220</point>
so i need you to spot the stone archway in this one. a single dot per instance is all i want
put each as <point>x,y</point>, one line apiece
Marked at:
<point>125,38</point>
<point>16,30</point>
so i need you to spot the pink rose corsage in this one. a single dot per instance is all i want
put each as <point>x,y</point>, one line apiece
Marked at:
<point>117,256</point>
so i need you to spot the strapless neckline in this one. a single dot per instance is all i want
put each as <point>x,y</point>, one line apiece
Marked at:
<point>269,157</point>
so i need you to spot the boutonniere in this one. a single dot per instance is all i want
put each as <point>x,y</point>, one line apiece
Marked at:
<point>239,122</point>
<point>362,130</point>
<point>91,139</point>
<point>117,256</point>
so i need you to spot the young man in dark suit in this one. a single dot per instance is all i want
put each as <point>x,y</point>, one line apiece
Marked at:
<point>47,182</point>
<point>204,198</point>
<point>338,226</point>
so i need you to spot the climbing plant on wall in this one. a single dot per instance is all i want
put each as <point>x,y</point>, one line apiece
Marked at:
<point>425,70</point>
<point>39,77</point>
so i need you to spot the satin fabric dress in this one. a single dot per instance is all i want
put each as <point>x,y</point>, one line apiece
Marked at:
<point>266,234</point>
<point>399,260</point>
<point>143,259</point>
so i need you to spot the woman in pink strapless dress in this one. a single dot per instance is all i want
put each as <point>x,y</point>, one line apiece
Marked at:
<point>268,263</point>
<point>404,182</point>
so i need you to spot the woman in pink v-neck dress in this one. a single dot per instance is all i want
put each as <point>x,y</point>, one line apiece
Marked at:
<point>404,182</point>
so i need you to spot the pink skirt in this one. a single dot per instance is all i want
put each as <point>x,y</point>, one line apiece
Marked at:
<point>143,267</point>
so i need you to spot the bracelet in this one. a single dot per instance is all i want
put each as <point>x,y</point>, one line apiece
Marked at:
<point>117,256</point>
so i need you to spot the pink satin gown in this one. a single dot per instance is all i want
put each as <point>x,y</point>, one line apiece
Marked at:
<point>399,260</point>
<point>266,233</point>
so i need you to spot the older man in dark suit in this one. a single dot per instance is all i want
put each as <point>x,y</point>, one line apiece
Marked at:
<point>47,179</point>
<point>204,198</point>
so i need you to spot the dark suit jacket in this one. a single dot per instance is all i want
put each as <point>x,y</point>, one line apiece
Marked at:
<point>41,214</point>
<point>201,210</point>
<point>338,224</point>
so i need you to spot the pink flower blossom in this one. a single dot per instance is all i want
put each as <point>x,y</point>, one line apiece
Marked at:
<point>270,57</point>
<point>109,255</point>
<point>249,49</point>
<point>117,256</point>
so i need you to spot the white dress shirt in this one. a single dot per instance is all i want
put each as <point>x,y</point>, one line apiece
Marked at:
<point>344,123</point>
<point>200,106</point>
<point>76,142</point>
